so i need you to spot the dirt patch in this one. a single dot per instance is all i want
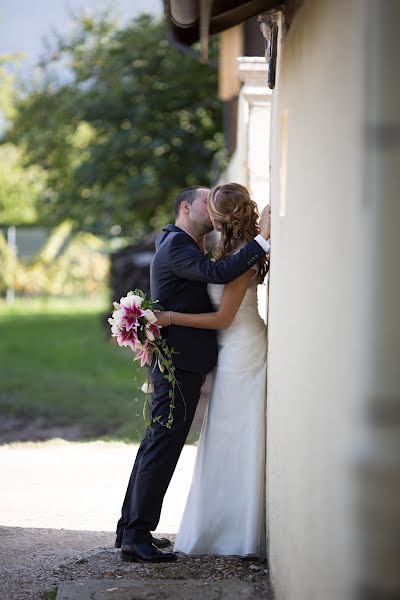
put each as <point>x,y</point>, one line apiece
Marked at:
<point>39,429</point>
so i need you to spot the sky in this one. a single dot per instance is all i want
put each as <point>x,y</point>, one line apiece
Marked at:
<point>24,23</point>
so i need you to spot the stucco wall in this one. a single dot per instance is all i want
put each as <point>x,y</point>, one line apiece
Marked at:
<point>316,313</point>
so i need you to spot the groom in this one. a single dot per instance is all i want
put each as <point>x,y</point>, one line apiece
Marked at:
<point>179,274</point>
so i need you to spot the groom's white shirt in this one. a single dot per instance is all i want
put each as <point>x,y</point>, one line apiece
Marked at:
<point>265,244</point>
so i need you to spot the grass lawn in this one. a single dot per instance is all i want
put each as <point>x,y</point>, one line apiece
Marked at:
<point>57,362</point>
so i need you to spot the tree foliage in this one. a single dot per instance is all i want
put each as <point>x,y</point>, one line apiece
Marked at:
<point>136,120</point>
<point>20,187</point>
<point>7,87</point>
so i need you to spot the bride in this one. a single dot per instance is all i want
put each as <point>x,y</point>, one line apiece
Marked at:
<point>225,509</point>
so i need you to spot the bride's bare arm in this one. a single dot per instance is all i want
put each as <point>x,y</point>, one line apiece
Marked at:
<point>232,297</point>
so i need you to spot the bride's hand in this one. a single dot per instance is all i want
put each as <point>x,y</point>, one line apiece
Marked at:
<point>265,222</point>
<point>162,318</point>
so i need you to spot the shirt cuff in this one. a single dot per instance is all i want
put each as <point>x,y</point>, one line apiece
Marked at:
<point>265,245</point>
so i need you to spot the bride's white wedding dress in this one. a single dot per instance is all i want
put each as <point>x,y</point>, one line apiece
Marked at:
<point>225,510</point>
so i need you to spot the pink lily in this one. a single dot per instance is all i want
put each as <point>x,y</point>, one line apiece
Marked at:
<point>145,355</point>
<point>130,308</point>
<point>128,338</point>
<point>115,329</point>
<point>152,331</point>
<point>149,316</point>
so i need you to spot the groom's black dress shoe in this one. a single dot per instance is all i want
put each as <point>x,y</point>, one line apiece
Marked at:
<point>159,542</point>
<point>145,553</point>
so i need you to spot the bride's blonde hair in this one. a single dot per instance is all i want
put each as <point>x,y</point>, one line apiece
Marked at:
<point>231,206</point>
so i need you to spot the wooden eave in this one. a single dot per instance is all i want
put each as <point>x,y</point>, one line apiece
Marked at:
<point>224,15</point>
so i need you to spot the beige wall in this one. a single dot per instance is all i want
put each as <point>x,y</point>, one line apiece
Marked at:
<point>316,307</point>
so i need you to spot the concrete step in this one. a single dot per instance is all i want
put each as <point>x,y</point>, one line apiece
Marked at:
<point>161,589</point>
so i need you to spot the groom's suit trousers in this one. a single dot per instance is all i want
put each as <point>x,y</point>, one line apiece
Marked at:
<point>158,455</point>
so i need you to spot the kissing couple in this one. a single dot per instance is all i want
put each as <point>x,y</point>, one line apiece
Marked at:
<point>225,510</point>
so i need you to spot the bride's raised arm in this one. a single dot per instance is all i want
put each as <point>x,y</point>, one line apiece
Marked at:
<point>232,297</point>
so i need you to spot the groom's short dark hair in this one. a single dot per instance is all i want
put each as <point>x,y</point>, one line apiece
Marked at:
<point>188,194</point>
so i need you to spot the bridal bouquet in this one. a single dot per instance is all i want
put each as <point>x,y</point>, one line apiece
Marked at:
<point>133,323</point>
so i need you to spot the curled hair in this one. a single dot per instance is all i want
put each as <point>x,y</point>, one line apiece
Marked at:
<point>231,206</point>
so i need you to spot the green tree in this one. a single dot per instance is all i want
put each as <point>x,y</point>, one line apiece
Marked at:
<point>136,120</point>
<point>7,87</point>
<point>20,187</point>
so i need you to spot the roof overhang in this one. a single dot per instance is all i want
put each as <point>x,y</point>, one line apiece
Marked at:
<point>184,15</point>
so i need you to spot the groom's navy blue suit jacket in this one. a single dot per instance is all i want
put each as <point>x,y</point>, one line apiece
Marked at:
<point>179,274</point>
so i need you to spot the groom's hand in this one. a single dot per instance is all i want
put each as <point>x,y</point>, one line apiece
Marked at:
<point>265,222</point>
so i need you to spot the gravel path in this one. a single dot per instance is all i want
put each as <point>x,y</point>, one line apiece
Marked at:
<point>58,508</point>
